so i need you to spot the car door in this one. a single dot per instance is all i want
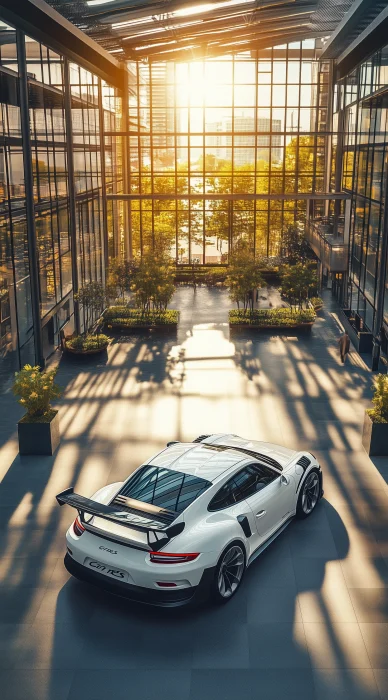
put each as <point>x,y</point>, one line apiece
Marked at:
<point>230,498</point>
<point>273,501</point>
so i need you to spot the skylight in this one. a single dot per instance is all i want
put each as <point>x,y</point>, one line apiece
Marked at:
<point>184,12</point>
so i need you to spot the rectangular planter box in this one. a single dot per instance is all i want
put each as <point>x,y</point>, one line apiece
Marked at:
<point>362,340</point>
<point>301,328</point>
<point>375,438</point>
<point>39,438</point>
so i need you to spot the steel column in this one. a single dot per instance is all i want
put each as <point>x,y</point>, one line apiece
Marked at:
<point>29,190</point>
<point>128,252</point>
<point>71,190</point>
<point>103,179</point>
<point>381,286</point>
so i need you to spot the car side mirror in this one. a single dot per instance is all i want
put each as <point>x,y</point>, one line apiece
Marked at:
<point>284,480</point>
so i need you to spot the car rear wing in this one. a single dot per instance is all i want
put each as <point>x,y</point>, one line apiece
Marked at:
<point>157,535</point>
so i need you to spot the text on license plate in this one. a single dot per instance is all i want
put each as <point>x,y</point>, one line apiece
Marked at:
<point>118,574</point>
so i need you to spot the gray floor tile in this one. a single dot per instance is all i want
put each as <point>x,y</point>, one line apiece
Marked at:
<point>272,605</point>
<point>277,645</point>
<point>381,676</point>
<point>222,647</point>
<point>345,684</point>
<point>336,645</point>
<point>375,635</point>
<point>227,684</point>
<point>370,604</point>
<point>35,685</point>
<point>131,684</point>
<point>46,646</point>
<point>290,683</point>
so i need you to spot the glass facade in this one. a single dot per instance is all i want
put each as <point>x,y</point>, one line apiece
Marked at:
<point>223,137</point>
<point>362,106</point>
<point>69,111</point>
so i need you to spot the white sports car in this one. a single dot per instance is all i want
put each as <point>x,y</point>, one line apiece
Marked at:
<point>191,519</point>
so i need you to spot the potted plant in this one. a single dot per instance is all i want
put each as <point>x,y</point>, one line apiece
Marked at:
<point>375,432</point>
<point>38,430</point>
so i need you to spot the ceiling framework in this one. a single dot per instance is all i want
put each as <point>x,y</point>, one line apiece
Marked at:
<point>181,30</point>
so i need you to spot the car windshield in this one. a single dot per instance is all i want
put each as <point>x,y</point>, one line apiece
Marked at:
<point>165,488</point>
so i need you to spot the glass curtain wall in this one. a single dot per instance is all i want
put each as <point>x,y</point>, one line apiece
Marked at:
<point>214,134</point>
<point>364,173</point>
<point>16,327</point>
<point>95,108</point>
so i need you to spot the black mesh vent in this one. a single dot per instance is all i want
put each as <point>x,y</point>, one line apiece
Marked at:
<point>200,438</point>
<point>304,462</point>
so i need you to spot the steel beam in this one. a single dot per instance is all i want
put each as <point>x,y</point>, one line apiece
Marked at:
<point>234,197</point>
<point>44,24</point>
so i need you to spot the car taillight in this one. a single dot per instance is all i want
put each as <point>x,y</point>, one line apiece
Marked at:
<point>168,558</point>
<point>78,528</point>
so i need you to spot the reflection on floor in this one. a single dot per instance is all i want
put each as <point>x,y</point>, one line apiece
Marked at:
<point>311,621</point>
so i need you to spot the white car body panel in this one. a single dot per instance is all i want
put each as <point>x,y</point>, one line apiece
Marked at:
<point>125,550</point>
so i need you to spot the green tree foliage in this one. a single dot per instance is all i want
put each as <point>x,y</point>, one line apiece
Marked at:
<point>298,281</point>
<point>153,281</point>
<point>36,390</point>
<point>120,276</point>
<point>294,245</point>
<point>92,298</point>
<point>243,277</point>
<point>379,414</point>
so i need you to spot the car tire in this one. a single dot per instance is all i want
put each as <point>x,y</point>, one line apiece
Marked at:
<point>309,494</point>
<point>229,573</point>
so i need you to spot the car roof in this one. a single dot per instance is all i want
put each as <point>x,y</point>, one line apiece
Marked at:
<point>209,459</point>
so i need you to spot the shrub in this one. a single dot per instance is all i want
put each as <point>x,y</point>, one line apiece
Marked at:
<point>271,317</point>
<point>92,297</point>
<point>123,317</point>
<point>120,276</point>
<point>298,281</point>
<point>379,414</point>
<point>317,302</point>
<point>243,277</point>
<point>36,390</point>
<point>153,282</point>
<point>88,342</point>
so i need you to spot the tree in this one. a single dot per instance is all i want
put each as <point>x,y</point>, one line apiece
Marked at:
<point>153,282</point>
<point>298,281</point>
<point>294,245</point>
<point>92,297</point>
<point>243,277</point>
<point>120,276</point>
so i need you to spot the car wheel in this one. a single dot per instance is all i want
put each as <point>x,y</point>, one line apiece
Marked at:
<point>229,573</point>
<point>308,495</point>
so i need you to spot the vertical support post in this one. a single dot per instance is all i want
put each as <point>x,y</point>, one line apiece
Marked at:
<point>126,203</point>
<point>71,192</point>
<point>329,136</point>
<point>381,286</point>
<point>29,196</point>
<point>103,179</point>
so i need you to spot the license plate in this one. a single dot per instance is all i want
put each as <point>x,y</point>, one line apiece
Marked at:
<point>117,574</point>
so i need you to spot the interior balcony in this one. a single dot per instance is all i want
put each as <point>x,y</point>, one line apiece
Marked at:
<point>326,237</point>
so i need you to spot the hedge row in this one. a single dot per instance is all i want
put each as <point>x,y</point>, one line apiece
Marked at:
<point>271,317</point>
<point>124,317</point>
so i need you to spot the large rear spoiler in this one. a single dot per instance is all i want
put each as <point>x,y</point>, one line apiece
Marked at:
<point>157,535</point>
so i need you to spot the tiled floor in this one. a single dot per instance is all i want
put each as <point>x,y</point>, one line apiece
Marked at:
<point>310,622</point>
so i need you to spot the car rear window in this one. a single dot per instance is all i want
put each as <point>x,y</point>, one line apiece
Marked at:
<point>165,488</point>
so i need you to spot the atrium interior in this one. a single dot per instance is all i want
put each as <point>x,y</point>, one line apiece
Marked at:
<point>182,138</point>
